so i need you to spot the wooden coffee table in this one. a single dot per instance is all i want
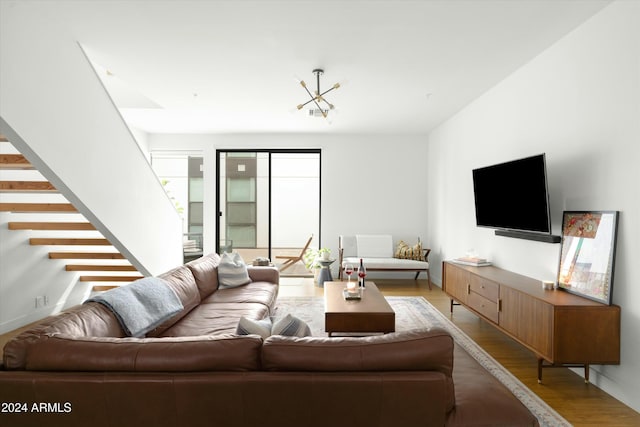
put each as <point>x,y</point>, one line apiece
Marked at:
<point>370,314</point>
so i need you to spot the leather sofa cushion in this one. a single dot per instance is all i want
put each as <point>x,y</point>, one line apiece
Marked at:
<point>415,350</point>
<point>183,354</point>
<point>205,272</point>
<point>218,318</point>
<point>254,292</point>
<point>264,274</point>
<point>90,319</point>
<point>183,283</point>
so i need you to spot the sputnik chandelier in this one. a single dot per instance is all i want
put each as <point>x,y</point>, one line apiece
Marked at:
<point>318,98</point>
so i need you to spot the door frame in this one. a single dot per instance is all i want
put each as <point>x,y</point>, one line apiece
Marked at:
<point>270,151</point>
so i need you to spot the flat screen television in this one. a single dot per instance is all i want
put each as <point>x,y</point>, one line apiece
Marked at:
<point>513,196</point>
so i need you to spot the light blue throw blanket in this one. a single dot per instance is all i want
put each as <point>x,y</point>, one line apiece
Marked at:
<point>141,305</point>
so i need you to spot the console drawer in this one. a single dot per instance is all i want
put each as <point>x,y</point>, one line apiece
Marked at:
<point>486,288</point>
<point>484,306</point>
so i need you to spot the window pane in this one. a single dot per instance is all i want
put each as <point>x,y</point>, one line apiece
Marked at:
<point>241,213</point>
<point>242,236</point>
<point>196,189</point>
<point>241,190</point>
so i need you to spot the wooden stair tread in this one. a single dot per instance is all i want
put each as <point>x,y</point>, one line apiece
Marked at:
<point>51,226</point>
<point>3,138</point>
<point>109,278</point>
<point>85,255</point>
<point>103,288</point>
<point>95,267</point>
<point>68,241</point>
<point>26,186</point>
<point>37,207</point>
<point>14,161</point>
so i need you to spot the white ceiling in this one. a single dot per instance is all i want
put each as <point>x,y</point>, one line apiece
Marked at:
<point>229,66</point>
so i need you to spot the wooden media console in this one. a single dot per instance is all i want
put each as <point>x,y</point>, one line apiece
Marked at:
<point>562,329</point>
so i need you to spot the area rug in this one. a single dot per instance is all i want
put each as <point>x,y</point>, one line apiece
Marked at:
<point>416,312</point>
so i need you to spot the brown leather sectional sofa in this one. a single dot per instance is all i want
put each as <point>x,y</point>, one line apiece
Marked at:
<point>78,369</point>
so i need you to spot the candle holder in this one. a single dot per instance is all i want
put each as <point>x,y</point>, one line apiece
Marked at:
<point>355,295</point>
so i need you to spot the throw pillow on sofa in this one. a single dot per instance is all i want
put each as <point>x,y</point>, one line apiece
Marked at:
<point>288,326</point>
<point>254,327</point>
<point>232,271</point>
<point>404,251</point>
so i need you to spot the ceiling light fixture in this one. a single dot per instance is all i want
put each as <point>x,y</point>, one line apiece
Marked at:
<point>318,98</point>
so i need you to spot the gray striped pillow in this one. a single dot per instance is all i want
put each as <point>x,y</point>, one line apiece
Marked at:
<point>290,326</point>
<point>232,271</point>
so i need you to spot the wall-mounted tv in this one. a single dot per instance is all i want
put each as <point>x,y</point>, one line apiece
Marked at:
<point>512,197</point>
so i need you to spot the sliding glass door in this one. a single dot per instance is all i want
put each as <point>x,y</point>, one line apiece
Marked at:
<point>269,205</point>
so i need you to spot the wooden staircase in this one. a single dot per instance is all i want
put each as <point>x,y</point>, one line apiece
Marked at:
<point>85,254</point>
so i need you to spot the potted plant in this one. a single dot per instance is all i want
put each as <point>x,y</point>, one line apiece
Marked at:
<point>325,253</point>
<point>311,257</point>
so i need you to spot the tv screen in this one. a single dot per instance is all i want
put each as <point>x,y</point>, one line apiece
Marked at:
<point>513,195</point>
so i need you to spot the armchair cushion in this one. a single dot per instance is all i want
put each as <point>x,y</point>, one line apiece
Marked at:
<point>374,246</point>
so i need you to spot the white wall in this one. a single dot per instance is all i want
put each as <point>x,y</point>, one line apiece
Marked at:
<point>579,102</point>
<point>26,272</point>
<point>55,110</point>
<point>385,190</point>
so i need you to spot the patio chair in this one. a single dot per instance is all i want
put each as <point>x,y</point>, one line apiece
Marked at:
<point>292,259</point>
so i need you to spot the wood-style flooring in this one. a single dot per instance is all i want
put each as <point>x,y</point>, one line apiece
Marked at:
<point>581,404</point>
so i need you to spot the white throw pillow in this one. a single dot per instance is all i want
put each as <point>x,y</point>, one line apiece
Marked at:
<point>256,327</point>
<point>232,271</point>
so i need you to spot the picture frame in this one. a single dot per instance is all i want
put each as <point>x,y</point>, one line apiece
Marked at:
<point>587,254</point>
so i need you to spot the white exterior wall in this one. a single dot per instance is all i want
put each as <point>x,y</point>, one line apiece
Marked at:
<point>579,102</point>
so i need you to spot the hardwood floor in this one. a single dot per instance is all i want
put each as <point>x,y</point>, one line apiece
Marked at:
<point>581,404</point>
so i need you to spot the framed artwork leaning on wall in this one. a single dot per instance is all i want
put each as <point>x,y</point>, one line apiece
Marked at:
<point>587,254</point>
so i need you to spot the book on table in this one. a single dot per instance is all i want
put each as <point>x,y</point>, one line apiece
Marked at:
<point>473,261</point>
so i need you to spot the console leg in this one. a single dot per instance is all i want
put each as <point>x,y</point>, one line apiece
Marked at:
<point>539,370</point>
<point>586,373</point>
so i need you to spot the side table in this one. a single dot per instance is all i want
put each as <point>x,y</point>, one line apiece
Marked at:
<point>324,275</point>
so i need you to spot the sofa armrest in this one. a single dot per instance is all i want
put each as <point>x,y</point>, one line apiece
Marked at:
<point>264,274</point>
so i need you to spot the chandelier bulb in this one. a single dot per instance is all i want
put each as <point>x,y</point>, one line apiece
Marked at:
<point>302,83</point>
<point>300,106</point>
<point>336,86</point>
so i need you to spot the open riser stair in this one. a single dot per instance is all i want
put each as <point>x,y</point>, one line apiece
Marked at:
<point>54,222</point>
